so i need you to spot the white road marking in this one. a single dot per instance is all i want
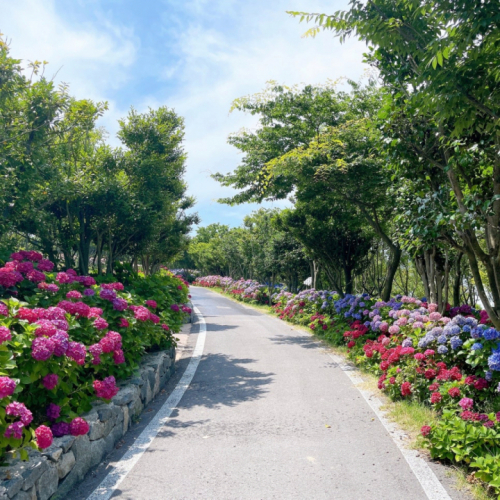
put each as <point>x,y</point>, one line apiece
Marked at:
<point>142,443</point>
<point>426,477</point>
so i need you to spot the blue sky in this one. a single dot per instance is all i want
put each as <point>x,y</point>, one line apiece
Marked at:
<point>195,56</point>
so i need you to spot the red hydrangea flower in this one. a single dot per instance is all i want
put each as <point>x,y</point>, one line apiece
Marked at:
<point>123,323</point>
<point>454,392</point>
<point>5,334</point>
<point>35,276</point>
<point>27,314</point>
<point>430,374</point>
<point>425,430</point>
<point>436,397</point>
<point>433,387</point>
<point>50,381</point>
<point>480,384</point>
<point>106,388</point>
<point>78,427</point>
<point>44,437</point>
<point>405,389</point>
<point>419,356</point>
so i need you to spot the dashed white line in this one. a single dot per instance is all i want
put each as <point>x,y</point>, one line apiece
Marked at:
<point>142,443</point>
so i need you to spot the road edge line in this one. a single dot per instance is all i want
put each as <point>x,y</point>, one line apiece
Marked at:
<point>114,477</point>
<point>425,475</point>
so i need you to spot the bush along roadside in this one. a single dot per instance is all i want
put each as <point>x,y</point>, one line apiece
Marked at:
<point>449,362</point>
<point>65,341</point>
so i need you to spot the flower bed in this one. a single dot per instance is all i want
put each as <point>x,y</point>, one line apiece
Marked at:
<point>449,361</point>
<point>65,341</point>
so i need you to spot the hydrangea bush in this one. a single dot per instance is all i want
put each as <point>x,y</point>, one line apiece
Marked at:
<point>65,341</point>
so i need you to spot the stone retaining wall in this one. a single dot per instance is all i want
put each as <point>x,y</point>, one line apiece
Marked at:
<point>53,472</point>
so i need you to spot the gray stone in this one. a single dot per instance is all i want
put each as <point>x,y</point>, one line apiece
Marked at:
<point>65,442</point>
<point>32,471</point>
<point>81,449</point>
<point>167,363</point>
<point>53,453</point>
<point>149,394</point>
<point>91,416</point>
<point>12,482</point>
<point>26,495</point>
<point>46,486</point>
<point>97,450</point>
<point>111,439</point>
<point>126,419</point>
<point>105,412</point>
<point>137,381</point>
<point>96,430</point>
<point>125,395</point>
<point>135,408</point>
<point>65,464</point>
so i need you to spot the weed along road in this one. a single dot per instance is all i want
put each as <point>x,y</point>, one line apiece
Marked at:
<point>267,414</point>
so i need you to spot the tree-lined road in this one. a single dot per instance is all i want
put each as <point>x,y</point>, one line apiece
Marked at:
<point>268,415</point>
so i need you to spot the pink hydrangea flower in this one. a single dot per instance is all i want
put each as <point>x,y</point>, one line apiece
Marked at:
<point>96,351</point>
<point>95,312</point>
<point>434,316</point>
<point>154,318</point>
<point>14,430</point>
<point>16,409</point>
<point>64,278</point>
<point>50,381</point>
<point>35,276</point>
<point>151,303</point>
<point>123,323</point>
<point>141,313</point>
<point>61,324</point>
<point>106,388</point>
<point>45,328</point>
<point>100,324</point>
<point>7,387</point>
<point>53,313</point>
<point>74,294</point>
<point>5,334</point>
<point>25,267</point>
<point>4,310</point>
<point>111,342</point>
<point>118,357</point>
<point>81,309</point>
<point>44,437</point>
<point>72,272</point>
<point>466,403</point>
<point>78,427</point>
<point>394,329</point>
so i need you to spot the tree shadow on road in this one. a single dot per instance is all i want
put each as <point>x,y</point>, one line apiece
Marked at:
<point>211,327</point>
<point>307,342</point>
<point>222,380</point>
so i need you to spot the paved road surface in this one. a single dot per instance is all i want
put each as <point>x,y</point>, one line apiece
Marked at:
<point>268,415</point>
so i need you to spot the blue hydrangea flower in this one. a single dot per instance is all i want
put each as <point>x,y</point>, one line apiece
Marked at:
<point>423,343</point>
<point>466,328</point>
<point>490,334</point>
<point>407,343</point>
<point>477,346</point>
<point>442,349</point>
<point>455,342</point>
<point>442,339</point>
<point>494,362</point>
<point>476,333</point>
<point>488,375</point>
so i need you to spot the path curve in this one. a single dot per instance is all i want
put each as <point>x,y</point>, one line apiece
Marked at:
<point>268,415</point>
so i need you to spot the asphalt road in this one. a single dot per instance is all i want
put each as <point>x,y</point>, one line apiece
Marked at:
<point>268,415</point>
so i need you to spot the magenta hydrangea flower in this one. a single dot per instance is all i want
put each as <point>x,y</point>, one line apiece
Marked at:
<point>7,387</point>
<point>53,313</point>
<point>141,313</point>
<point>74,294</point>
<point>118,357</point>
<point>45,265</point>
<point>17,256</point>
<point>151,303</point>
<point>154,318</point>
<point>107,294</point>
<point>123,323</point>
<point>78,427</point>
<point>17,409</point>
<point>34,256</point>
<point>61,343</point>
<point>72,272</point>
<point>77,352</point>
<point>5,334</point>
<point>61,324</point>
<point>4,310</point>
<point>165,327</point>
<point>88,281</point>
<point>53,411</point>
<point>27,314</point>
<point>112,341</point>
<point>120,304</point>
<point>81,309</point>
<point>60,429</point>
<point>67,306</point>
<point>52,288</point>
<point>14,430</point>
<point>25,267</point>
<point>50,381</point>
<point>174,307</point>
<point>44,437</point>
<point>113,286</point>
<point>96,351</point>
<point>64,278</point>
<point>42,348</point>
<point>95,312</point>
<point>35,276</point>
<point>100,324</point>
<point>45,328</point>
<point>9,278</point>
<point>106,388</point>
